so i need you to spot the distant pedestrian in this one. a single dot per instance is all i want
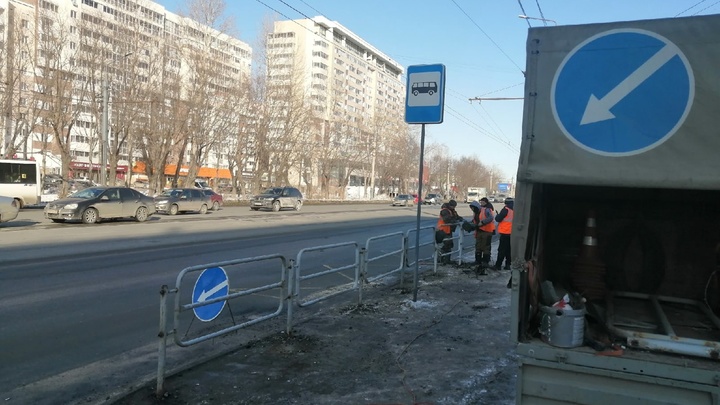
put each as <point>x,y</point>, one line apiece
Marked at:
<point>446,225</point>
<point>504,220</point>
<point>483,219</point>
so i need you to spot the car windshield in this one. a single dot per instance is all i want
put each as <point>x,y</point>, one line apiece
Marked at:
<point>273,190</point>
<point>403,197</point>
<point>171,193</point>
<point>87,193</point>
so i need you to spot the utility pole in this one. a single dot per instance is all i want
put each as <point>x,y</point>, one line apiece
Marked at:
<point>104,134</point>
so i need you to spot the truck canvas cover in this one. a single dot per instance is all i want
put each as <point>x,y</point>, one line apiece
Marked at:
<point>624,104</point>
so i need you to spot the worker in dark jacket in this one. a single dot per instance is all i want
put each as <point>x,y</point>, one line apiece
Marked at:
<point>483,219</point>
<point>504,220</point>
<point>446,224</point>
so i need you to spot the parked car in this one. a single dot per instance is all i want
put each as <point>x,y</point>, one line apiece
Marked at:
<point>216,200</point>
<point>9,208</point>
<point>174,200</point>
<point>403,200</point>
<point>93,204</point>
<point>275,198</point>
<point>433,199</point>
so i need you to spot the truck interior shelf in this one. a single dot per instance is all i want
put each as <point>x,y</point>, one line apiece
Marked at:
<point>665,324</point>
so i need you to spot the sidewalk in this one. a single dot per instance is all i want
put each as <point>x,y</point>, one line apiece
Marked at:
<point>450,346</point>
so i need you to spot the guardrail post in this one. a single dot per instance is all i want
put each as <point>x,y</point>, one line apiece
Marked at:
<point>362,273</point>
<point>461,239</point>
<point>405,259</point>
<point>162,346</point>
<point>291,293</point>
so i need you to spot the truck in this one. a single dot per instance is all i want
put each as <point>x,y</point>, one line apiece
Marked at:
<point>475,194</point>
<point>615,286</point>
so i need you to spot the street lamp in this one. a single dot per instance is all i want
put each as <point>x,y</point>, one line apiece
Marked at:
<point>524,17</point>
<point>104,144</point>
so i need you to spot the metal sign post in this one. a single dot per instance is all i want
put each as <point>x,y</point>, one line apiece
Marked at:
<point>424,104</point>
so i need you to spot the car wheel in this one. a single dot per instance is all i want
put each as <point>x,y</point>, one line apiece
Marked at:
<point>298,205</point>
<point>276,206</point>
<point>216,206</point>
<point>90,216</point>
<point>203,209</point>
<point>58,220</point>
<point>173,209</point>
<point>141,215</point>
<point>254,209</point>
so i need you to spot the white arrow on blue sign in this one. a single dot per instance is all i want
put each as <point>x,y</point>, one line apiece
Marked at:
<point>212,283</point>
<point>622,92</point>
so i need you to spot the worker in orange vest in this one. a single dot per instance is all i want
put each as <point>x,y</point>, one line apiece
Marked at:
<point>504,219</point>
<point>483,219</point>
<point>446,224</point>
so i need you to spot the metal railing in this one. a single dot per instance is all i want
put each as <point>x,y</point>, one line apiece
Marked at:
<point>295,276</point>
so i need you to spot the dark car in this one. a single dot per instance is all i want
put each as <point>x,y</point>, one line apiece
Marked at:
<point>216,200</point>
<point>93,204</point>
<point>174,200</point>
<point>275,198</point>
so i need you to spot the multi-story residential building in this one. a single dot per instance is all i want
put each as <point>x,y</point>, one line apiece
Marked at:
<point>81,62</point>
<point>353,88</point>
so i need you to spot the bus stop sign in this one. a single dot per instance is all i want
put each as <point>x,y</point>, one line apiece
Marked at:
<point>425,97</point>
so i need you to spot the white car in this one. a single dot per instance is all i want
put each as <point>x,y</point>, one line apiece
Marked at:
<point>9,208</point>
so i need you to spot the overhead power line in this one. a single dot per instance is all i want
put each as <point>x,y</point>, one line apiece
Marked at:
<point>488,37</point>
<point>690,8</point>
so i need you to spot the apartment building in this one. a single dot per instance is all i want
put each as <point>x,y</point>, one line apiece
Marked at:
<point>351,84</point>
<point>104,52</point>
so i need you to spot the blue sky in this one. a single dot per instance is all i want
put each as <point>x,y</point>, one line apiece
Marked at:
<point>480,42</point>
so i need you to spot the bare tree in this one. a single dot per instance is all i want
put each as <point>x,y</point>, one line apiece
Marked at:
<point>282,122</point>
<point>65,90</point>
<point>16,74</point>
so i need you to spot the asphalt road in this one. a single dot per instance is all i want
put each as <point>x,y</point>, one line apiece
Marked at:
<point>77,300</point>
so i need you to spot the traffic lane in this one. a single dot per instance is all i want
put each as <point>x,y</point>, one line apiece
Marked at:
<point>59,240</point>
<point>34,216</point>
<point>73,313</point>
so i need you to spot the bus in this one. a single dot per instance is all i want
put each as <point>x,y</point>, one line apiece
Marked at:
<point>21,180</point>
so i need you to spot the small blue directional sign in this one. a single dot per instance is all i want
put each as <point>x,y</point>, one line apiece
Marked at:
<point>212,283</point>
<point>622,92</point>
<point>425,98</point>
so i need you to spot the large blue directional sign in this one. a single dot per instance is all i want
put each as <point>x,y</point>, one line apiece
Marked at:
<point>425,98</point>
<point>212,283</point>
<point>622,92</point>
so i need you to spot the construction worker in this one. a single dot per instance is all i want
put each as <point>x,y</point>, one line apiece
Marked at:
<point>483,219</point>
<point>446,224</point>
<point>504,220</point>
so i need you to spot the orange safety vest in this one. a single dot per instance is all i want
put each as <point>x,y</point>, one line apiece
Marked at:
<point>489,227</point>
<point>505,226</point>
<point>441,225</point>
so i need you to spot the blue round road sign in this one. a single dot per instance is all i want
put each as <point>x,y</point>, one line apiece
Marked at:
<point>622,92</point>
<point>212,283</point>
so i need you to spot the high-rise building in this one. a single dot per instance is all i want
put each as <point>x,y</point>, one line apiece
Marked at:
<point>352,87</point>
<point>68,65</point>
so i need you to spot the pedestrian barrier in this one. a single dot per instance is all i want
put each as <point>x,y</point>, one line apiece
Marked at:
<point>213,292</point>
<point>411,247</point>
<point>465,243</point>
<point>203,301</point>
<point>300,277</point>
